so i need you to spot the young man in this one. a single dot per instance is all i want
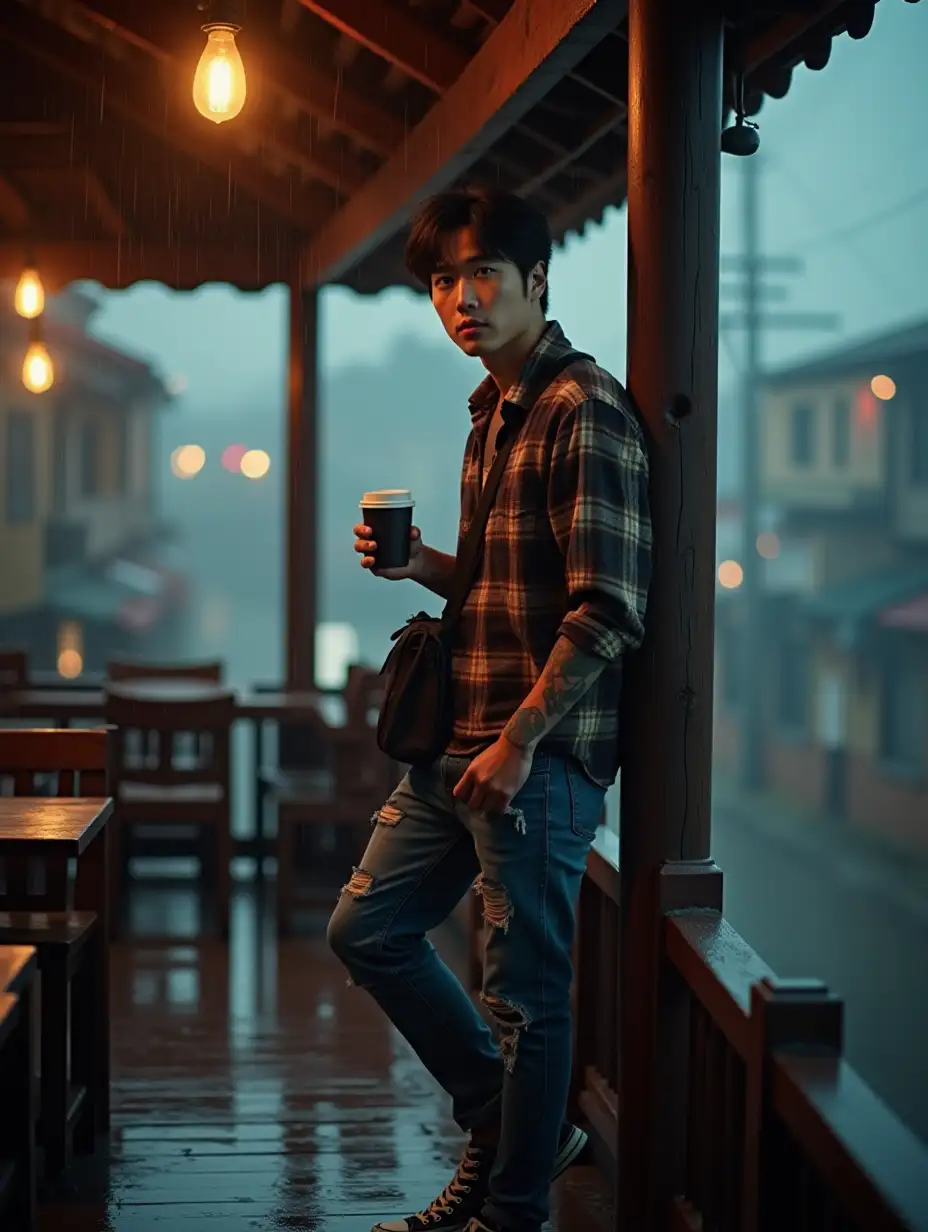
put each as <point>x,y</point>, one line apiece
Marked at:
<point>515,802</point>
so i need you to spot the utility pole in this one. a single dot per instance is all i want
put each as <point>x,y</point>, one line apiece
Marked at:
<point>753,318</point>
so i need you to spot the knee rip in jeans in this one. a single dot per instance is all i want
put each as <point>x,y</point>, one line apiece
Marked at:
<point>497,909</point>
<point>512,1020</point>
<point>388,814</point>
<point>360,883</point>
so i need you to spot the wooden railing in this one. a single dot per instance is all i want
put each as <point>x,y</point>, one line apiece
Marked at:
<point>780,1132</point>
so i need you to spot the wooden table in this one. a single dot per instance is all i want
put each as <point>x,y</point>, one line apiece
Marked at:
<point>58,830</point>
<point>18,968</point>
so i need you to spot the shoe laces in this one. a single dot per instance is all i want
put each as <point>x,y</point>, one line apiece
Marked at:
<point>468,1171</point>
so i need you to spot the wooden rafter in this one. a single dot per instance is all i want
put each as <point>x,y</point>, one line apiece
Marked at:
<point>39,40</point>
<point>79,183</point>
<point>117,264</point>
<point>532,48</point>
<point>341,171</point>
<point>299,85</point>
<point>390,32</point>
<point>13,208</point>
<point>607,122</point>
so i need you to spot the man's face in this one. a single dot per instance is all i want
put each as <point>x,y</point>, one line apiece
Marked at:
<point>483,301</point>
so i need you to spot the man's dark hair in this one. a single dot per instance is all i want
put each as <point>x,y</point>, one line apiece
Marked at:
<point>507,229</point>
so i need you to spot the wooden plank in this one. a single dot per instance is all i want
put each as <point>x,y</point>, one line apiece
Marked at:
<point>719,967</point>
<point>389,31</point>
<point>13,208</point>
<point>77,182</point>
<point>867,1158</point>
<point>118,264</point>
<point>537,43</point>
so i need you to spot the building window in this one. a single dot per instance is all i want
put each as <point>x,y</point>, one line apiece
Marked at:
<point>793,681</point>
<point>90,459</point>
<point>801,437</point>
<point>841,433</point>
<point>919,455</point>
<point>20,468</point>
<point>903,717</point>
<point>60,485</point>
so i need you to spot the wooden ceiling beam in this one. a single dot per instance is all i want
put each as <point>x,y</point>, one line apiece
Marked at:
<point>13,208</point>
<point>313,91</point>
<point>608,122</point>
<point>537,43</point>
<point>77,183</point>
<point>341,171</point>
<point>39,40</point>
<point>391,33</point>
<point>117,264</point>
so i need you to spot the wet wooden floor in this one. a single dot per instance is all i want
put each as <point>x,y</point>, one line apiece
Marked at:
<point>253,1089</point>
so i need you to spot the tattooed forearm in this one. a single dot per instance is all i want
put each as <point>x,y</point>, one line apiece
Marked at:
<point>567,675</point>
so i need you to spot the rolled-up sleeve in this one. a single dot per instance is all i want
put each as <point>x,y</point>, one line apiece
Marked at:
<point>599,513</point>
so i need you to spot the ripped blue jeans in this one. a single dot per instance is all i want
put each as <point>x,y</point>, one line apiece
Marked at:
<point>425,852</point>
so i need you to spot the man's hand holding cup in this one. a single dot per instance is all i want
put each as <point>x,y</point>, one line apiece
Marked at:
<point>387,542</point>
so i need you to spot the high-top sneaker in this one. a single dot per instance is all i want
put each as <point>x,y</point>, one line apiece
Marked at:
<point>463,1197</point>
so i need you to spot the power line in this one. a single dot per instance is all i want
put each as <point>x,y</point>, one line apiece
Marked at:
<point>864,224</point>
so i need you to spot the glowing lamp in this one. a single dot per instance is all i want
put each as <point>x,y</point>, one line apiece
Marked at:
<point>29,299</point>
<point>219,82</point>
<point>38,372</point>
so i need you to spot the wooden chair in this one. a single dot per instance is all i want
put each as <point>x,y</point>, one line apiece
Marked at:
<point>14,670</point>
<point>126,669</point>
<point>18,1109</point>
<point>338,801</point>
<point>72,950</point>
<point>167,796</point>
<point>208,670</point>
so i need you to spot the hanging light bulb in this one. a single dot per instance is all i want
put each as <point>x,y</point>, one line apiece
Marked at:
<point>29,299</point>
<point>219,82</point>
<point>38,372</point>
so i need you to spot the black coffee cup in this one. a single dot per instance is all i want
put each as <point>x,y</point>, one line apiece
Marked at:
<point>388,513</point>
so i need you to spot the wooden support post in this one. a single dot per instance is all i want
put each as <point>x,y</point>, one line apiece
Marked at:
<point>675,110</point>
<point>302,487</point>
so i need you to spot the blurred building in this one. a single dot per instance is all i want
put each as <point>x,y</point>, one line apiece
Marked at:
<point>80,537</point>
<point>844,471</point>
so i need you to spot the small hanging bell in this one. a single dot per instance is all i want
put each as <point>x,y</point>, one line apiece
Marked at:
<point>742,137</point>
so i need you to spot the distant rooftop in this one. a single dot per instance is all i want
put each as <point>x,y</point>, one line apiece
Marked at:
<point>873,351</point>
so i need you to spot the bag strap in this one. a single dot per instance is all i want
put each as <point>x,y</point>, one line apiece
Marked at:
<point>468,557</point>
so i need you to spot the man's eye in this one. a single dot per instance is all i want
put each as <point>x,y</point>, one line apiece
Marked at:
<point>485,269</point>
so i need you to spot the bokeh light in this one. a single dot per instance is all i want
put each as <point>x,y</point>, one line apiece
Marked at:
<point>731,575</point>
<point>255,464</point>
<point>232,457</point>
<point>883,387</point>
<point>187,461</point>
<point>768,545</point>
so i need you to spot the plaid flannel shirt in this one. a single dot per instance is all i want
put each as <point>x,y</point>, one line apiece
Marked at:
<point>567,552</point>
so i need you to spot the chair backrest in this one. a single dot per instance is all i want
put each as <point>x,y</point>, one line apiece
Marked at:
<point>55,761</point>
<point>363,694</point>
<point>126,669</point>
<point>184,743</point>
<point>48,762</point>
<point>14,669</point>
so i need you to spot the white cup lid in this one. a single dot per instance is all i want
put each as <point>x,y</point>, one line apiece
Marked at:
<point>388,498</point>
